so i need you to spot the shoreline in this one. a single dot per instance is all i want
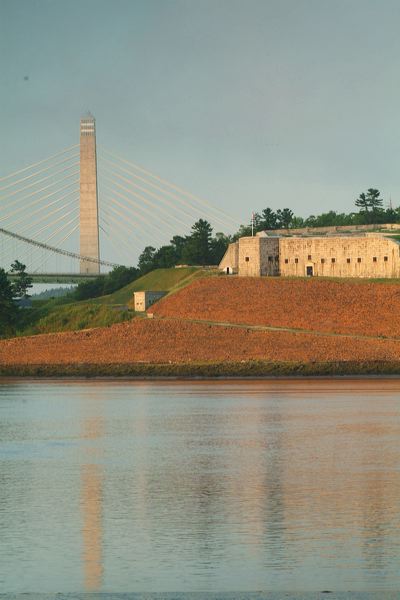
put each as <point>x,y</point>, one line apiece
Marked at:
<point>212,371</point>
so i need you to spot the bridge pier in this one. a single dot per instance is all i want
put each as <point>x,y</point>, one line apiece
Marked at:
<point>89,218</point>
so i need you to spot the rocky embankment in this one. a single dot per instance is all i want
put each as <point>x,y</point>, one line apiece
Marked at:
<point>326,327</point>
<point>346,307</point>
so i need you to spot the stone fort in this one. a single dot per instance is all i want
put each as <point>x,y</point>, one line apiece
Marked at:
<point>327,253</point>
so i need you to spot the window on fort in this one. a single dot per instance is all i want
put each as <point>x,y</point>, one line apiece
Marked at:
<point>270,259</point>
<point>375,259</point>
<point>309,257</point>
<point>333,260</point>
<point>286,261</point>
<point>296,260</point>
<point>358,259</point>
<point>349,260</point>
<point>247,259</point>
<point>385,258</point>
<point>322,261</point>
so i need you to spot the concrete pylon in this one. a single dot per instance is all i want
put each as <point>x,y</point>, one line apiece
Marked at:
<point>89,216</point>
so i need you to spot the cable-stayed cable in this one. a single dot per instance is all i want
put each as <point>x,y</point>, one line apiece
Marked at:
<point>139,207</point>
<point>192,215</point>
<point>37,200</point>
<point>145,201</point>
<point>135,228</point>
<point>185,203</point>
<point>14,183</point>
<point>123,224</point>
<point>40,210</point>
<point>33,184</point>
<point>173,186</point>
<point>38,163</point>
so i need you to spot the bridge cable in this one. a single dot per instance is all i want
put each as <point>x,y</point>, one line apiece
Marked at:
<point>137,215</point>
<point>39,181</point>
<point>172,185</point>
<point>5,187</point>
<point>57,250</point>
<point>40,210</point>
<point>148,202</point>
<point>38,163</point>
<point>37,200</point>
<point>124,221</point>
<point>114,245</point>
<point>54,234</point>
<point>196,209</point>
<point>117,229</point>
<point>153,195</point>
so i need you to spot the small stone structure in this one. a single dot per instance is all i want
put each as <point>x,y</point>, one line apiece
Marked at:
<point>362,255</point>
<point>142,300</point>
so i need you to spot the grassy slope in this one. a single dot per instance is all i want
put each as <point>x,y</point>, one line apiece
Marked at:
<point>71,317</point>
<point>63,315</point>
<point>168,280</point>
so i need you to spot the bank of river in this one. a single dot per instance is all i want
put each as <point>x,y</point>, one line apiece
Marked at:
<point>222,369</point>
<point>200,486</point>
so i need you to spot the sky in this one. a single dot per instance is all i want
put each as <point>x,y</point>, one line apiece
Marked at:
<point>247,104</point>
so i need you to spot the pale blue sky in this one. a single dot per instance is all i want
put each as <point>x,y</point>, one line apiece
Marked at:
<point>246,103</point>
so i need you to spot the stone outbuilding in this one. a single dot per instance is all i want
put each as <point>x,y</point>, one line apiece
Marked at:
<point>142,300</point>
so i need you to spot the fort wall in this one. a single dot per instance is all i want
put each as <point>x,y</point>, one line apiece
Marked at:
<point>230,261</point>
<point>258,256</point>
<point>369,256</point>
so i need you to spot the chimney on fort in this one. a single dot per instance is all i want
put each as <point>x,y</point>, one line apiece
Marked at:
<point>89,218</point>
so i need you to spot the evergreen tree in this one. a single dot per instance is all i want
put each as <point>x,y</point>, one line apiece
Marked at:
<point>23,282</point>
<point>198,246</point>
<point>146,260</point>
<point>8,309</point>
<point>268,219</point>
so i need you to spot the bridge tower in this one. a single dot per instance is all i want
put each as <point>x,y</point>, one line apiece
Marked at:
<point>89,217</point>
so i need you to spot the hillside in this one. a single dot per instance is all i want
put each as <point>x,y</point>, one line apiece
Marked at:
<point>222,324</point>
<point>158,341</point>
<point>71,317</point>
<point>157,280</point>
<point>340,306</point>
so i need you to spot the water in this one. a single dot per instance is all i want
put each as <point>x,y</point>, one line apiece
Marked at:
<point>199,486</point>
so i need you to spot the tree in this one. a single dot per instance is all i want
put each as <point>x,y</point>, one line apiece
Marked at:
<point>370,205</point>
<point>23,282</point>
<point>146,260</point>
<point>197,248</point>
<point>165,257</point>
<point>8,309</point>
<point>375,201</point>
<point>219,244</point>
<point>268,219</point>
<point>118,278</point>
<point>284,218</point>
<point>362,203</point>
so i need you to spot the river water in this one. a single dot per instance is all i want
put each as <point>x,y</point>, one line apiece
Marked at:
<point>199,486</point>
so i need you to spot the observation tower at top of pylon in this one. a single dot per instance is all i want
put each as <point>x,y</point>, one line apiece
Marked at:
<point>89,216</point>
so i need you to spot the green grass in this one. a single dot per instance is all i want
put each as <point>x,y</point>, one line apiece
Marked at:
<point>160,280</point>
<point>71,317</point>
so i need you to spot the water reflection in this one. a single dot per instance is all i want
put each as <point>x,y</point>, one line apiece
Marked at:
<point>200,486</point>
<point>92,496</point>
